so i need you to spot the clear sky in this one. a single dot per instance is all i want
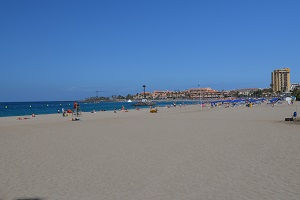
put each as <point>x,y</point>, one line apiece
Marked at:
<point>66,50</point>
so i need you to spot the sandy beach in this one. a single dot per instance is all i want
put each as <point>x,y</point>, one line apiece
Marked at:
<point>175,154</point>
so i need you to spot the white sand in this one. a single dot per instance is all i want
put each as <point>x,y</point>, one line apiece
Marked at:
<point>177,153</point>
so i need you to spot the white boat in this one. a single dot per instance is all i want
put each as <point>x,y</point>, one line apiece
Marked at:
<point>129,100</point>
<point>144,102</point>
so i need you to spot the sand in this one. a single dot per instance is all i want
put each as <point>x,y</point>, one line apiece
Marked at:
<point>178,153</point>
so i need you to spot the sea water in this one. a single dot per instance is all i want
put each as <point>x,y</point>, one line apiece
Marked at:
<point>52,107</point>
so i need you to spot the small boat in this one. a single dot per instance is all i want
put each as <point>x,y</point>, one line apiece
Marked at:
<point>144,102</point>
<point>129,100</point>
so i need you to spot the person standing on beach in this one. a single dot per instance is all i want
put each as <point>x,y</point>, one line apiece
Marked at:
<point>75,105</point>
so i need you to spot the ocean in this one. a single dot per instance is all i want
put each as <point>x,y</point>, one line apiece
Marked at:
<point>51,107</point>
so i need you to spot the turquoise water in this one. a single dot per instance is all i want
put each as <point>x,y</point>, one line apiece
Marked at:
<point>51,107</point>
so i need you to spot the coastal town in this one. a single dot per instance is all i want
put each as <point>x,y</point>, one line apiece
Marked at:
<point>280,86</point>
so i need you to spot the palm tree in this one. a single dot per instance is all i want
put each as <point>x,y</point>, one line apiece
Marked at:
<point>296,93</point>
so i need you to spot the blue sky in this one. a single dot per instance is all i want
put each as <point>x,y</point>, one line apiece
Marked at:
<point>66,50</point>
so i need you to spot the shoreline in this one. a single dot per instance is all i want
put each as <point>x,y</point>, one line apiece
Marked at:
<point>110,113</point>
<point>51,107</point>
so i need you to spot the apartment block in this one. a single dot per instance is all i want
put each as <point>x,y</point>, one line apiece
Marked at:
<point>281,81</point>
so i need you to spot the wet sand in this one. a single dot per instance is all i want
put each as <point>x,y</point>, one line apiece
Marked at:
<point>177,153</point>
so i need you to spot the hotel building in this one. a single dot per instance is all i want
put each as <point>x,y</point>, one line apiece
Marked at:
<point>193,93</point>
<point>281,81</point>
<point>204,93</point>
